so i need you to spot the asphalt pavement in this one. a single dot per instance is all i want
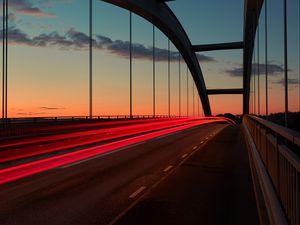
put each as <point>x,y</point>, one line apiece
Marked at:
<point>100,189</point>
<point>212,187</point>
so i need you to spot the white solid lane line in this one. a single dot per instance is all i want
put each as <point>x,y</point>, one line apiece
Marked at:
<point>183,156</point>
<point>168,168</point>
<point>134,194</point>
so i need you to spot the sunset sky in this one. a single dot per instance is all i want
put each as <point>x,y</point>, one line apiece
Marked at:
<point>48,57</point>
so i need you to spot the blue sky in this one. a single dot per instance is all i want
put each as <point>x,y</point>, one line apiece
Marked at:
<point>203,26</point>
<point>55,32</point>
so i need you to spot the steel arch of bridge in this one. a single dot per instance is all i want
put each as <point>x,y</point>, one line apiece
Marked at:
<point>252,12</point>
<point>159,14</point>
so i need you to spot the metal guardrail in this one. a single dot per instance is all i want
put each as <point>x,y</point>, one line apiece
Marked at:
<point>279,150</point>
<point>61,118</point>
<point>19,126</point>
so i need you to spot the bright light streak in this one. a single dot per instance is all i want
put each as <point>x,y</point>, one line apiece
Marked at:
<point>72,128</point>
<point>20,171</point>
<point>60,142</point>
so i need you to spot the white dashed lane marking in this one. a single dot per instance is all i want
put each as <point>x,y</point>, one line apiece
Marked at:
<point>138,191</point>
<point>195,147</point>
<point>168,168</point>
<point>183,156</point>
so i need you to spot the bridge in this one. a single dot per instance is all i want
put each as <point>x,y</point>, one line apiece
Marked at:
<point>150,112</point>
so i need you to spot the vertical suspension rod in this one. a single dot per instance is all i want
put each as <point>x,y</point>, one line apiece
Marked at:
<point>266,58</point>
<point>130,63</point>
<point>91,59</point>
<point>179,86</point>
<point>153,71</point>
<point>6,56</point>
<point>169,80</point>
<point>3,58</point>
<point>285,63</point>
<point>258,80</point>
<point>187,91</point>
<point>193,98</point>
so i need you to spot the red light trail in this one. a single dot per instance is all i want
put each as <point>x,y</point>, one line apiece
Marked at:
<point>41,145</point>
<point>23,170</point>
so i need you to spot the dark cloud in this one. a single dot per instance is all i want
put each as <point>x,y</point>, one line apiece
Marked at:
<point>26,7</point>
<point>50,40</point>
<point>104,40</point>
<point>140,51</point>
<point>204,58</point>
<point>235,72</point>
<point>80,41</point>
<point>291,81</point>
<point>273,69</point>
<point>17,36</point>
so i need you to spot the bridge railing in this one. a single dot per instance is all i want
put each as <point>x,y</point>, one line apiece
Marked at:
<point>19,126</point>
<point>62,118</point>
<point>278,151</point>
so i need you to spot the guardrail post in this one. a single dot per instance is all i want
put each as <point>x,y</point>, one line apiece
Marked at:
<point>277,146</point>
<point>298,198</point>
<point>280,167</point>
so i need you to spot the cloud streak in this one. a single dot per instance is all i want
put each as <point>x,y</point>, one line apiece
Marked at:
<point>30,113</point>
<point>140,51</point>
<point>73,39</point>
<point>291,81</point>
<point>273,69</point>
<point>25,7</point>
<point>50,108</point>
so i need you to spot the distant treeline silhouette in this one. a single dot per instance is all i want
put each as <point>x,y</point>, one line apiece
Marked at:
<point>278,118</point>
<point>236,119</point>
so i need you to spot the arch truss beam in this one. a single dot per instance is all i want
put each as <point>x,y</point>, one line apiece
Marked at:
<point>252,12</point>
<point>159,14</point>
<point>219,46</point>
<point>237,91</point>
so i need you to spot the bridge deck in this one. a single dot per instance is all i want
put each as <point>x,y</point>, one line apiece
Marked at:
<point>213,186</point>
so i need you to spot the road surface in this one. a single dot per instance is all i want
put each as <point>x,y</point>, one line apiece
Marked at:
<point>98,189</point>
